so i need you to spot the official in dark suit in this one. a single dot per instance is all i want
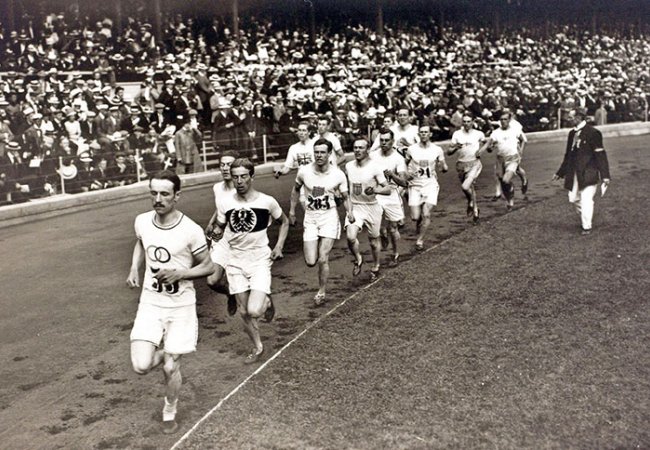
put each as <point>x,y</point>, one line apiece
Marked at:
<point>584,166</point>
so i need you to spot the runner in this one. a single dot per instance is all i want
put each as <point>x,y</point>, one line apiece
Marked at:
<point>219,248</point>
<point>174,252</point>
<point>247,215</point>
<point>366,179</point>
<point>508,141</point>
<point>422,159</point>
<point>467,142</point>
<point>521,173</point>
<point>394,169</point>
<point>321,183</point>
<point>300,154</point>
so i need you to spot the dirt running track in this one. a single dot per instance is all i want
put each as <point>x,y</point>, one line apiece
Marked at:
<point>66,314</point>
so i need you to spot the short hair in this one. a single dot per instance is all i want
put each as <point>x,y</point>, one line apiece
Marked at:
<point>323,141</point>
<point>361,137</point>
<point>169,176</point>
<point>245,163</point>
<point>228,153</point>
<point>386,130</point>
<point>505,113</point>
<point>305,123</point>
<point>326,118</point>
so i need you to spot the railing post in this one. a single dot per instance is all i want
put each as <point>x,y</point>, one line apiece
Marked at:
<point>61,175</point>
<point>264,149</point>
<point>138,166</point>
<point>559,118</point>
<point>205,156</point>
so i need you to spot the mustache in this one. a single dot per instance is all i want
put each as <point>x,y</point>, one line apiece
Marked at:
<point>158,204</point>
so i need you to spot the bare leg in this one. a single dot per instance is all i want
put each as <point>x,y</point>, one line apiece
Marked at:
<point>325,247</point>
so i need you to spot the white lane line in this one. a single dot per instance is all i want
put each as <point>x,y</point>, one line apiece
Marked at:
<point>275,355</point>
<point>260,368</point>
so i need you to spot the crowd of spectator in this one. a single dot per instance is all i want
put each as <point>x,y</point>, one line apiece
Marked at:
<point>60,99</point>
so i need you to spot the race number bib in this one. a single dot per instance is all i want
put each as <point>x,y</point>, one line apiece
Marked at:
<point>163,287</point>
<point>424,171</point>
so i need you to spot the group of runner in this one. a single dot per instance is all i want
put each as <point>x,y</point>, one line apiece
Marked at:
<point>233,250</point>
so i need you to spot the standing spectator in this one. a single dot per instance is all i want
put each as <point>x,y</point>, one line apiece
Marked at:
<point>600,115</point>
<point>223,126</point>
<point>585,164</point>
<point>186,143</point>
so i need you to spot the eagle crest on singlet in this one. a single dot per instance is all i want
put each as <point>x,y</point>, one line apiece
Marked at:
<point>243,220</point>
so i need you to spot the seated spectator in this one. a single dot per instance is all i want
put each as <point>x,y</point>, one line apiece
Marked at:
<point>121,172</point>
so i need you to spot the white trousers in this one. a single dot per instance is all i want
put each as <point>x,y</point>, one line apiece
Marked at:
<point>583,201</point>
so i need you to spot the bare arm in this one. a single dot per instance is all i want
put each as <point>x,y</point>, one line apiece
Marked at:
<point>487,146</point>
<point>295,196</point>
<point>282,237</point>
<point>137,261</point>
<point>210,227</point>
<point>202,268</point>
<point>399,178</point>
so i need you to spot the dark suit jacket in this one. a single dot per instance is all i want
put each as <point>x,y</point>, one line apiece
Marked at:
<point>585,157</point>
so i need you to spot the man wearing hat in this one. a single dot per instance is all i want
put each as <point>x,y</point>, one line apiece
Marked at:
<point>33,136</point>
<point>158,120</point>
<point>186,142</point>
<point>168,98</point>
<point>11,171</point>
<point>585,165</point>
<point>204,91</point>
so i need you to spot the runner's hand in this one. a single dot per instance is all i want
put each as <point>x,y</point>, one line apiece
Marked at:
<point>133,280</point>
<point>276,254</point>
<point>168,276</point>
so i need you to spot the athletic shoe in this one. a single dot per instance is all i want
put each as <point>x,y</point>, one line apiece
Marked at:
<point>269,314</point>
<point>356,270</point>
<point>475,218</point>
<point>232,305</point>
<point>319,299</point>
<point>419,246</point>
<point>374,274</point>
<point>254,356</point>
<point>169,426</point>
<point>495,198</point>
<point>585,232</point>
<point>394,262</point>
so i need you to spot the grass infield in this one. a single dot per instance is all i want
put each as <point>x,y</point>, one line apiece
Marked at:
<point>519,333</point>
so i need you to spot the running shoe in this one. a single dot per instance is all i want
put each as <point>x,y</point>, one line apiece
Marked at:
<point>319,299</point>
<point>169,426</point>
<point>394,261</point>
<point>356,269</point>
<point>254,356</point>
